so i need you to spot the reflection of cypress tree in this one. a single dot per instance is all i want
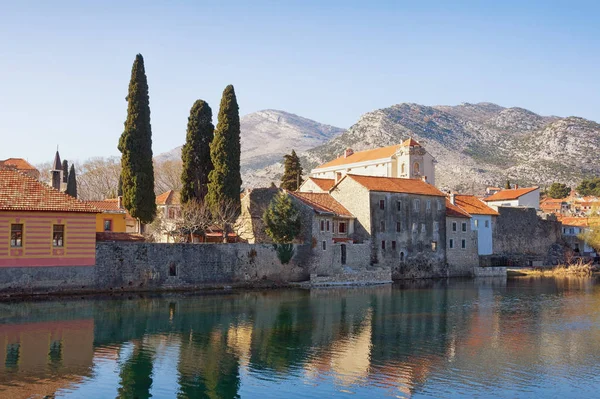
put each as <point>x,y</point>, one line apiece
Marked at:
<point>136,374</point>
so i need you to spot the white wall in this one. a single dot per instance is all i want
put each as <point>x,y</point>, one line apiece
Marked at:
<point>530,200</point>
<point>484,234</point>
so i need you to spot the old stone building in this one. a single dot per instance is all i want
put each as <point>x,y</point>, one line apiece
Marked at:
<point>461,241</point>
<point>403,220</point>
<point>483,220</point>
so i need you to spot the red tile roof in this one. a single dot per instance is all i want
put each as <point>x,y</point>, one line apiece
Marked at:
<point>362,156</point>
<point>18,163</point>
<point>324,184</point>
<point>19,192</point>
<point>111,205</point>
<point>170,197</point>
<point>322,202</point>
<point>473,205</point>
<point>511,194</point>
<point>410,143</point>
<point>574,221</point>
<point>454,211</point>
<point>396,185</point>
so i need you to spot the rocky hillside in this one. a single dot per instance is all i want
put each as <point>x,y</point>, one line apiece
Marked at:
<point>479,144</point>
<point>265,137</point>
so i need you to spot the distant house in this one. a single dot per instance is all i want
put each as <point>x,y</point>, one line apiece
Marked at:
<point>572,228</point>
<point>168,208</point>
<point>554,206</point>
<point>316,185</point>
<point>403,219</point>
<point>114,218</point>
<point>406,160</point>
<point>528,197</point>
<point>462,253</point>
<point>482,220</point>
<point>22,166</point>
<point>42,226</point>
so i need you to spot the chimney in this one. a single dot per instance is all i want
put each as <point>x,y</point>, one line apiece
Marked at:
<point>338,176</point>
<point>120,202</point>
<point>452,199</point>
<point>348,152</point>
<point>516,186</point>
<point>424,178</point>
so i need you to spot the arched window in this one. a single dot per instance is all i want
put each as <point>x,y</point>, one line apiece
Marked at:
<point>402,168</point>
<point>416,168</point>
<point>401,256</point>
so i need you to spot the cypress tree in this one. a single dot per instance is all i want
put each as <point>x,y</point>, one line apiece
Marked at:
<point>135,144</point>
<point>65,168</point>
<point>72,183</point>
<point>195,153</point>
<point>292,175</point>
<point>225,180</point>
<point>120,186</point>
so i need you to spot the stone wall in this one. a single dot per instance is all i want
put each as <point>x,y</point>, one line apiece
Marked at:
<point>461,261</point>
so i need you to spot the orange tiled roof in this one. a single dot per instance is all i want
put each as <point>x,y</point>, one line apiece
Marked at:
<point>170,197</point>
<point>19,192</point>
<point>473,205</point>
<point>111,204</point>
<point>324,184</point>
<point>362,156</point>
<point>574,221</point>
<point>410,143</point>
<point>112,236</point>
<point>18,163</point>
<point>396,185</point>
<point>322,202</point>
<point>454,211</point>
<point>510,194</point>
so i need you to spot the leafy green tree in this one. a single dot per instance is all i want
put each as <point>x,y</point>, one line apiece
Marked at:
<point>195,153</point>
<point>135,145</point>
<point>65,168</point>
<point>589,186</point>
<point>558,190</point>
<point>72,183</point>
<point>282,219</point>
<point>292,175</point>
<point>225,180</point>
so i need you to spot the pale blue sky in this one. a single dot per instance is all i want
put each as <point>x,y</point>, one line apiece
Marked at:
<point>65,66</point>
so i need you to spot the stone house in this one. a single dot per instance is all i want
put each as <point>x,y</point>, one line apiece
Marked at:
<point>42,226</point>
<point>316,185</point>
<point>462,252</point>
<point>168,208</point>
<point>403,220</point>
<point>528,197</point>
<point>407,160</point>
<point>483,219</point>
<point>254,203</point>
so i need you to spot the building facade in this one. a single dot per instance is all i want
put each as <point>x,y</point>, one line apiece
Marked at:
<point>482,219</point>
<point>528,197</point>
<point>113,217</point>
<point>462,253</point>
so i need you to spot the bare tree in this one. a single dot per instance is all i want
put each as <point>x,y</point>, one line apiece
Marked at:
<point>226,218</point>
<point>167,176</point>
<point>194,218</point>
<point>98,178</point>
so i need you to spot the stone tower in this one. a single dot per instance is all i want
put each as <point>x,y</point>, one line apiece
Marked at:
<point>57,173</point>
<point>414,162</point>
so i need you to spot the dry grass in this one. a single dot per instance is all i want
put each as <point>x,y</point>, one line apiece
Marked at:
<point>578,268</point>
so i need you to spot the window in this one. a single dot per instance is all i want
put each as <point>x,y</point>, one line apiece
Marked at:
<point>107,225</point>
<point>476,223</point>
<point>436,227</point>
<point>382,244</point>
<point>434,246</point>
<point>416,205</point>
<point>16,235</point>
<point>328,225</point>
<point>322,225</point>
<point>414,228</point>
<point>428,205</point>
<point>381,204</point>
<point>402,169</point>
<point>423,228</point>
<point>439,205</point>
<point>382,226</point>
<point>451,243</point>
<point>401,256</point>
<point>464,227</point>
<point>394,245</point>
<point>342,227</point>
<point>172,213</point>
<point>453,226</point>
<point>398,227</point>
<point>398,206</point>
<point>487,223</point>
<point>58,235</point>
<point>416,168</point>
<point>463,243</point>
<point>324,245</point>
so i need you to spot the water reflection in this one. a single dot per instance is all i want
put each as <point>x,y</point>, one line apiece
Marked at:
<point>428,339</point>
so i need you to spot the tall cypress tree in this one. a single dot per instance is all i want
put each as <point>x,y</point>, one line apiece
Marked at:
<point>292,174</point>
<point>72,183</point>
<point>135,145</point>
<point>195,153</point>
<point>65,168</point>
<point>225,180</point>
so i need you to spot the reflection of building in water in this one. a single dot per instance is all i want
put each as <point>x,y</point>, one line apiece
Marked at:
<point>41,358</point>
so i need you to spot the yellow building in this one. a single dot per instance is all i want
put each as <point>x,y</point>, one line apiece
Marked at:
<point>113,218</point>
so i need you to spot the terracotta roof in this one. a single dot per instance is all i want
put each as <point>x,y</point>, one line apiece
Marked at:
<point>324,184</point>
<point>18,163</point>
<point>170,197</point>
<point>511,194</point>
<point>574,221</point>
<point>473,205</point>
<point>322,202</point>
<point>112,236</point>
<point>410,143</point>
<point>396,185</point>
<point>362,156</point>
<point>454,211</point>
<point>19,192</point>
<point>111,204</point>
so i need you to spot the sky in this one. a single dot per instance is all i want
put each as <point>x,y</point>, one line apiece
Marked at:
<point>65,65</point>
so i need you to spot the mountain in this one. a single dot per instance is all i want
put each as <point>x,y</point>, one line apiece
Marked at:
<point>265,137</point>
<point>479,144</point>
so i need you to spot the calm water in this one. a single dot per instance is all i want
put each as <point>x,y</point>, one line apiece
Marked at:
<point>521,338</point>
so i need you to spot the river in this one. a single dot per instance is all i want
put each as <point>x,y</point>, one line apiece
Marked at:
<point>525,337</point>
